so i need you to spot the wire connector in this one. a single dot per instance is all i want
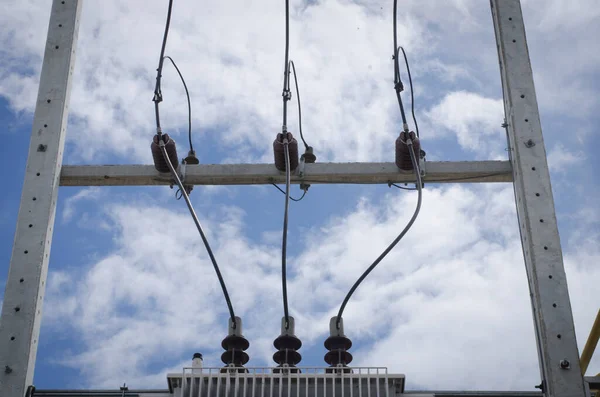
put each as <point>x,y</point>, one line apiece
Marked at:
<point>287,94</point>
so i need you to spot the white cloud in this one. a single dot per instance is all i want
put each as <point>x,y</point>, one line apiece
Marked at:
<point>232,62</point>
<point>561,158</point>
<point>447,311</point>
<point>71,202</point>
<point>344,68</point>
<point>475,120</point>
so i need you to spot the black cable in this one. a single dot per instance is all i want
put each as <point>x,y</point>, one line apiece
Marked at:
<point>466,178</point>
<point>157,91</point>
<point>286,151</point>
<point>412,91</point>
<point>397,81</point>
<point>187,93</point>
<point>390,184</point>
<point>291,198</point>
<point>299,106</point>
<point>199,227</point>
<point>396,240</point>
<point>286,78</point>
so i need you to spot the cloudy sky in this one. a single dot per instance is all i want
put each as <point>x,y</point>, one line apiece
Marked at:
<point>131,292</point>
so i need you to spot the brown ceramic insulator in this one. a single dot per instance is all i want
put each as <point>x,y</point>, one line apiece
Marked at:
<point>403,160</point>
<point>287,346</point>
<point>157,155</point>
<point>278,150</point>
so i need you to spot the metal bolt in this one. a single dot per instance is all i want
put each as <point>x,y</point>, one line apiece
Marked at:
<point>541,386</point>
<point>7,369</point>
<point>565,364</point>
<point>530,143</point>
<point>504,125</point>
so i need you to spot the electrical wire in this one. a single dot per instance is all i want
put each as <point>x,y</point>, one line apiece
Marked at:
<point>398,86</point>
<point>396,240</point>
<point>291,198</point>
<point>199,227</point>
<point>390,184</point>
<point>466,178</point>
<point>412,91</point>
<point>299,106</point>
<point>286,150</point>
<point>286,78</point>
<point>187,93</point>
<point>157,90</point>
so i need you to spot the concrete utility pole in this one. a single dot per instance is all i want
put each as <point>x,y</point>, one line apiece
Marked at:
<point>23,297</point>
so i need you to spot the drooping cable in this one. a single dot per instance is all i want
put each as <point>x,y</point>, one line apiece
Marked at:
<point>396,240</point>
<point>390,184</point>
<point>157,90</point>
<point>285,229</point>
<point>398,86</point>
<point>291,198</point>
<point>412,91</point>
<point>202,235</point>
<point>299,105</point>
<point>187,93</point>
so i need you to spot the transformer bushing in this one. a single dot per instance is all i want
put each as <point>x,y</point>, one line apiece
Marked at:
<point>287,345</point>
<point>337,345</point>
<point>235,345</point>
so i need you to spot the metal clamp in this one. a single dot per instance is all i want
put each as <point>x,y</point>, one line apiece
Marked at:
<point>422,167</point>
<point>302,173</point>
<point>301,167</point>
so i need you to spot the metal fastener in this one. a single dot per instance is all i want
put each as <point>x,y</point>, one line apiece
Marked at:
<point>565,364</point>
<point>530,143</point>
<point>7,369</point>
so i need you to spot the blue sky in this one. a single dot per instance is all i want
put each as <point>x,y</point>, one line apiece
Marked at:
<point>131,293</point>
